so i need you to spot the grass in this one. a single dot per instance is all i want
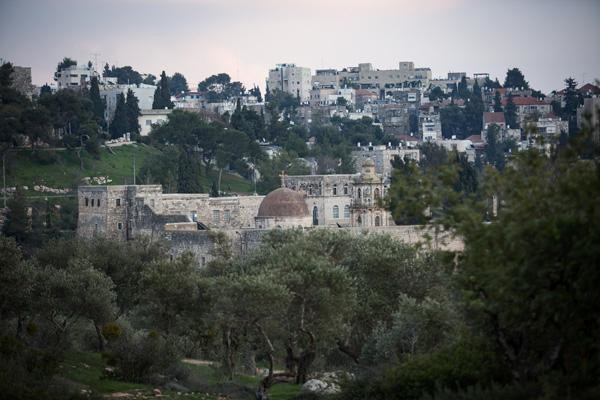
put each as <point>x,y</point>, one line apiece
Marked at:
<point>84,369</point>
<point>61,168</point>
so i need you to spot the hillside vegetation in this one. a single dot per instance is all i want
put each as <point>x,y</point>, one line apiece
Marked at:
<point>61,169</point>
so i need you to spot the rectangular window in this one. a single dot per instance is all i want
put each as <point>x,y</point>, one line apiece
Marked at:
<point>87,202</point>
<point>118,202</point>
<point>98,202</point>
<point>148,122</point>
<point>226,216</point>
<point>92,202</point>
<point>119,225</point>
<point>346,211</point>
<point>216,216</point>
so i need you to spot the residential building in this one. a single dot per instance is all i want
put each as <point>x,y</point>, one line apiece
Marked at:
<point>290,79</point>
<point>74,76</point>
<point>109,92</point>
<point>430,126</point>
<point>148,118</point>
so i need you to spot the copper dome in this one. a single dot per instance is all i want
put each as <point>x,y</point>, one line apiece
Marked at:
<point>283,202</point>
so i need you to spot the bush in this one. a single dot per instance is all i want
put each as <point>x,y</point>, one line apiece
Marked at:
<point>465,363</point>
<point>140,355</point>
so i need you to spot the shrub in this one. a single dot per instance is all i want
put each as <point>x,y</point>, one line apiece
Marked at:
<point>139,355</point>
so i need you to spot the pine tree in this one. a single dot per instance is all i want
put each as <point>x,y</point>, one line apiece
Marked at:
<point>497,102</point>
<point>510,113</point>
<point>98,103</point>
<point>119,124</point>
<point>133,112</point>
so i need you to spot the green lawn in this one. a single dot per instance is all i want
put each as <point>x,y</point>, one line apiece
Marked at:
<point>84,369</point>
<point>61,168</point>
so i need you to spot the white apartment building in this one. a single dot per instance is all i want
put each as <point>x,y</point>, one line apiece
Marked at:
<point>430,126</point>
<point>147,118</point>
<point>74,77</point>
<point>290,79</point>
<point>109,92</point>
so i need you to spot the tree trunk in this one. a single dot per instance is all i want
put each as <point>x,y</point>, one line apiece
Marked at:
<point>228,356</point>
<point>100,337</point>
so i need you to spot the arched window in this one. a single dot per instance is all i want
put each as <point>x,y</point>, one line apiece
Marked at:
<point>315,215</point>
<point>346,211</point>
<point>377,221</point>
<point>335,190</point>
<point>359,193</point>
<point>346,188</point>
<point>377,193</point>
<point>359,221</point>
<point>336,212</point>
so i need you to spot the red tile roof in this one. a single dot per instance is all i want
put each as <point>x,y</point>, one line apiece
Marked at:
<point>493,118</point>
<point>589,88</point>
<point>475,139</point>
<point>525,101</point>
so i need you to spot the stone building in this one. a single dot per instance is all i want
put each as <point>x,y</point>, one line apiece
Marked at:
<point>283,208</point>
<point>128,211</point>
<point>343,200</point>
<point>382,156</point>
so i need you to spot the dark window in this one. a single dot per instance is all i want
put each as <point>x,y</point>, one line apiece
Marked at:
<point>87,202</point>
<point>92,202</point>
<point>118,202</point>
<point>98,202</point>
<point>119,225</point>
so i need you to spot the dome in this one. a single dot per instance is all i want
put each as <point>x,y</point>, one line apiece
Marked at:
<point>283,202</point>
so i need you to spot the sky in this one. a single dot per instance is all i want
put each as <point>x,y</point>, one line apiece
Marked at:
<point>548,40</point>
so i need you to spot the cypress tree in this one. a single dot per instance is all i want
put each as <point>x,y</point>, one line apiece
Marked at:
<point>157,102</point>
<point>162,95</point>
<point>133,112</point>
<point>510,112</point>
<point>497,102</point>
<point>98,103</point>
<point>119,123</point>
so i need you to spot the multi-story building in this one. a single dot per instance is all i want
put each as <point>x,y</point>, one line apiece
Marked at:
<point>74,76</point>
<point>290,79</point>
<point>365,77</point>
<point>529,106</point>
<point>109,92</point>
<point>430,126</point>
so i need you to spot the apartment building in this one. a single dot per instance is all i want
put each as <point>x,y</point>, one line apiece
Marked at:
<point>290,79</point>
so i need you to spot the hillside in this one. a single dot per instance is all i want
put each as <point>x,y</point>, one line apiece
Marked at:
<point>60,169</point>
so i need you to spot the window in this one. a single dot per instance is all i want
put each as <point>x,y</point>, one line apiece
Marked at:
<point>359,193</point>
<point>377,221</point>
<point>359,221</point>
<point>377,193</point>
<point>87,202</point>
<point>119,225</point>
<point>335,190</point>
<point>336,212</point>
<point>346,211</point>
<point>98,202</point>
<point>346,188</point>
<point>226,216</point>
<point>148,122</point>
<point>216,216</point>
<point>118,202</point>
<point>194,216</point>
<point>92,202</point>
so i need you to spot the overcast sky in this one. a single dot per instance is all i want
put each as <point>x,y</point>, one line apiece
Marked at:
<point>547,39</point>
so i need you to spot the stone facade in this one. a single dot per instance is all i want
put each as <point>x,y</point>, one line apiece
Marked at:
<point>127,211</point>
<point>344,200</point>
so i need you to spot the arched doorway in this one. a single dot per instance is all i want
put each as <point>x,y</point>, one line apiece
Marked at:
<point>377,221</point>
<point>315,215</point>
